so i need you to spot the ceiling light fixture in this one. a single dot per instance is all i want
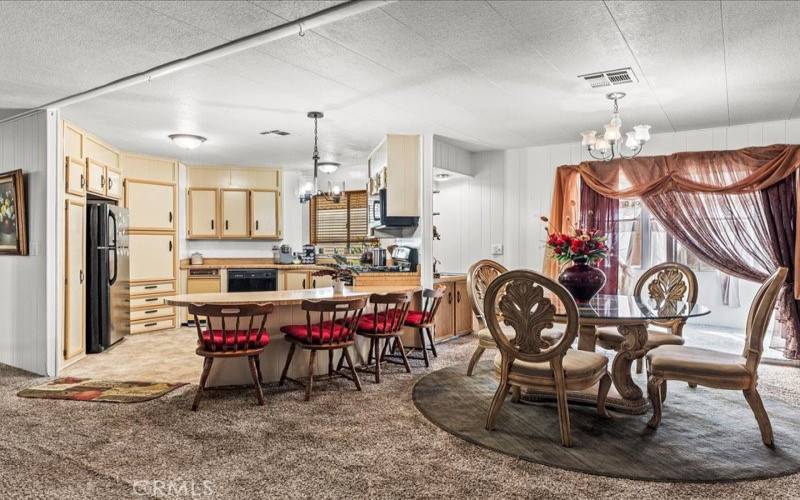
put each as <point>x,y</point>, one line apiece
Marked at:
<point>334,193</point>
<point>609,145</point>
<point>187,141</point>
<point>441,177</point>
<point>328,167</point>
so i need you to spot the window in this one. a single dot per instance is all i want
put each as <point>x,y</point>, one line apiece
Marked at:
<point>339,223</point>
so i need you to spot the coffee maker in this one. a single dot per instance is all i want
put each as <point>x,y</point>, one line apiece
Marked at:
<point>405,258</point>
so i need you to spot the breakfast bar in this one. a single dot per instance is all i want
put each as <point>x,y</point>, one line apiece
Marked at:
<point>286,311</point>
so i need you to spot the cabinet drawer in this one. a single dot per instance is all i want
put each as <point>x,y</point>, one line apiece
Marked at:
<point>154,312</point>
<point>152,288</point>
<point>152,326</point>
<point>149,302</point>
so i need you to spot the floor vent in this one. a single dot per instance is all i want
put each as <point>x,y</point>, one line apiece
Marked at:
<point>609,78</point>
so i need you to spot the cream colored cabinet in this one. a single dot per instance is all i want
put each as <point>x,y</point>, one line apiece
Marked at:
<point>265,213</point>
<point>75,288</point>
<point>202,220</point>
<point>235,213</point>
<point>321,281</point>
<point>75,176</point>
<point>295,280</point>
<point>96,177</point>
<point>113,183</point>
<point>151,205</point>
<point>153,256</point>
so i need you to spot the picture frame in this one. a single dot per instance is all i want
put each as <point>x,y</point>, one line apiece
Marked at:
<point>13,217</point>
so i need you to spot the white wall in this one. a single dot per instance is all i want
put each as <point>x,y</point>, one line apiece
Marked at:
<point>28,291</point>
<point>504,201</point>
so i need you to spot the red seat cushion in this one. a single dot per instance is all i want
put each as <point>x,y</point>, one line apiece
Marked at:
<point>245,340</point>
<point>414,318</point>
<point>300,332</point>
<point>367,322</point>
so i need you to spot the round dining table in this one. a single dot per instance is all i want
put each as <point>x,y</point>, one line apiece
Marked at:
<point>631,316</point>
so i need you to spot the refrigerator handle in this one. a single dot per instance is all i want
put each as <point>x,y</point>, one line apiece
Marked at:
<point>114,232</point>
<point>113,249</point>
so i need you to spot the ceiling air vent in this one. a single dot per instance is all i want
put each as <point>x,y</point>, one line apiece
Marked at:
<point>610,78</point>
<point>275,132</point>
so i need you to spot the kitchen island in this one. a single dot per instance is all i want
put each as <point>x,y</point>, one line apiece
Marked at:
<point>287,311</point>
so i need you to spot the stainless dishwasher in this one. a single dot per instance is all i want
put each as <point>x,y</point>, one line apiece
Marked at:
<point>252,280</point>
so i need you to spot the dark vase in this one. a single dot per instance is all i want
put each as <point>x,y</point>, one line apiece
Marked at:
<point>582,281</point>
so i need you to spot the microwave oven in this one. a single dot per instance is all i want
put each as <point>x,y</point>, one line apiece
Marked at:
<point>377,214</point>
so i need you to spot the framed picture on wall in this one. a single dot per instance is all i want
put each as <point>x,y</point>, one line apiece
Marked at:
<point>13,223</point>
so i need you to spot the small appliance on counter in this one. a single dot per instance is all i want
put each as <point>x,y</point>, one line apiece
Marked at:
<point>276,254</point>
<point>286,256</point>
<point>379,257</point>
<point>309,254</point>
<point>197,259</point>
<point>405,258</point>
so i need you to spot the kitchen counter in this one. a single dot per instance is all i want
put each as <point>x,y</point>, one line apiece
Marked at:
<point>283,297</point>
<point>269,265</point>
<point>449,278</point>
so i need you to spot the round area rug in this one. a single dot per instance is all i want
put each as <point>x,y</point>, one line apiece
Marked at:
<point>706,435</point>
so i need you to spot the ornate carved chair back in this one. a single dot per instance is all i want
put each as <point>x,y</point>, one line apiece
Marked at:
<point>431,299</point>
<point>239,327</point>
<point>337,317</point>
<point>667,282</point>
<point>524,299</point>
<point>479,276</point>
<point>759,316</point>
<point>389,312</point>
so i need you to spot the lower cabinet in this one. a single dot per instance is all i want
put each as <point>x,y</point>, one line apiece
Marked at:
<point>321,281</point>
<point>454,316</point>
<point>75,288</point>
<point>295,280</point>
<point>445,316</point>
<point>148,311</point>
<point>152,256</point>
<point>462,309</point>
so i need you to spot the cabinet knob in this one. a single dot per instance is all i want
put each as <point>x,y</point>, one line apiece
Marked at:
<point>458,296</point>
<point>449,297</point>
<point>83,181</point>
<point>170,215</point>
<point>256,225</point>
<point>226,224</point>
<point>109,183</point>
<point>102,181</point>
<point>80,276</point>
<point>170,246</point>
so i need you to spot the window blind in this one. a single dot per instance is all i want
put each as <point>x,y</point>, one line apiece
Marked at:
<point>343,223</point>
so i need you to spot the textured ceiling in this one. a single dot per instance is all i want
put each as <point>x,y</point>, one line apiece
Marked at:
<point>494,74</point>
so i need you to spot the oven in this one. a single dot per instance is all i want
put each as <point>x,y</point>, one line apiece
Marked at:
<point>252,280</point>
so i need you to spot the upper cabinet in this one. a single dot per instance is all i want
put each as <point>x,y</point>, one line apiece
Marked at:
<point>265,213</point>
<point>233,202</point>
<point>202,219</point>
<point>234,213</point>
<point>103,180</point>
<point>395,166</point>
<point>151,205</point>
<point>75,176</point>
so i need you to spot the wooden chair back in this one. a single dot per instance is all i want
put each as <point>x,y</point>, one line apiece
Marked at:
<point>479,276</point>
<point>389,312</point>
<point>345,313</point>
<point>522,299</point>
<point>431,299</point>
<point>667,282</point>
<point>759,316</point>
<point>231,321</point>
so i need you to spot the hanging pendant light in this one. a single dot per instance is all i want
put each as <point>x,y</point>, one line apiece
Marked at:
<point>608,145</point>
<point>334,193</point>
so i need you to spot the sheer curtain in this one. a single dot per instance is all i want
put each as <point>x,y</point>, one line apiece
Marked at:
<point>601,213</point>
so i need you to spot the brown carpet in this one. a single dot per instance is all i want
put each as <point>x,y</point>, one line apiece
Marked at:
<point>342,444</point>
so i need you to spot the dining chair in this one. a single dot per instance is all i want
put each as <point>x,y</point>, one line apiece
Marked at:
<point>479,276</point>
<point>231,331</point>
<point>423,322</point>
<point>669,281</point>
<point>330,326</point>
<point>529,359</point>
<point>385,323</point>
<point>720,370</point>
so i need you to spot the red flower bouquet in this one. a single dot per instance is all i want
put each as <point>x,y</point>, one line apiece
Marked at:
<point>586,246</point>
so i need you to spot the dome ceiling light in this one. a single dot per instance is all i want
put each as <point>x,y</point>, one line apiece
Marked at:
<point>187,141</point>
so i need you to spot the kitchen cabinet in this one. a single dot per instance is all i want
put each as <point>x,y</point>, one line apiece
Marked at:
<point>395,165</point>
<point>75,176</point>
<point>154,256</point>
<point>202,220</point>
<point>235,213</point>
<point>321,281</point>
<point>151,205</point>
<point>75,284</point>
<point>95,177</point>
<point>462,309</point>
<point>444,322</point>
<point>113,183</point>
<point>295,280</point>
<point>265,213</point>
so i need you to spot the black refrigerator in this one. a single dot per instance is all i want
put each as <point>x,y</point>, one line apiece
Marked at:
<point>107,276</point>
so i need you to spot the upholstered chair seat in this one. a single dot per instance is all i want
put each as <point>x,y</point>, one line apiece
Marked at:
<point>703,366</point>
<point>582,367</point>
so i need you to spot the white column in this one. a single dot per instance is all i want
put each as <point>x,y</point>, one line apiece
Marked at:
<point>426,220</point>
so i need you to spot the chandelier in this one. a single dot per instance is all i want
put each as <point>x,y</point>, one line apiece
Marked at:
<point>334,193</point>
<point>610,145</point>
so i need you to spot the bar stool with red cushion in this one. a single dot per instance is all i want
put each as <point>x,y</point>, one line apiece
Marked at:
<point>389,312</point>
<point>231,331</point>
<point>423,321</point>
<point>333,329</point>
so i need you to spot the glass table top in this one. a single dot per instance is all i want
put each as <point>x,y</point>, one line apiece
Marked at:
<point>631,307</point>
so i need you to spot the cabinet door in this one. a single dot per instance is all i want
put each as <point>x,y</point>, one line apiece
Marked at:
<point>321,281</point>
<point>443,323</point>
<point>264,213</point>
<point>96,177</point>
<point>76,176</point>
<point>463,309</point>
<point>113,183</point>
<point>234,213</point>
<point>75,289</point>
<point>203,213</point>
<point>151,205</point>
<point>295,280</point>
<point>152,257</point>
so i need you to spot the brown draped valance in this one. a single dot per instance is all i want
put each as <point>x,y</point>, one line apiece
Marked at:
<point>721,172</point>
